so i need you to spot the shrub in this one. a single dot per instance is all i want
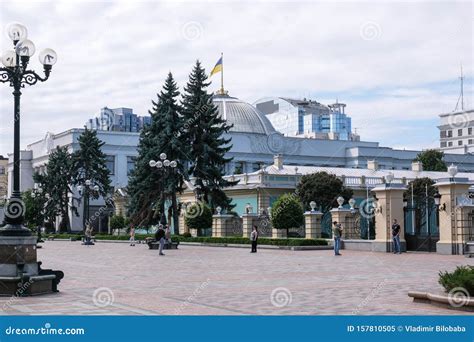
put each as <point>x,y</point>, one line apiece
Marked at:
<point>117,222</point>
<point>187,234</point>
<point>287,212</point>
<point>463,276</point>
<point>198,216</point>
<point>246,241</point>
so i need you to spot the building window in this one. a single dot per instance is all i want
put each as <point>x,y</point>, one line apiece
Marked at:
<point>450,143</point>
<point>443,144</point>
<point>469,142</point>
<point>469,131</point>
<point>110,163</point>
<point>442,134</point>
<point>130,164</point>
<point>460,132</point>
<point>450,134</point>
<point>459,142</point>
<point>239,168</point>
<point>2,170</point>
<point>257,166</point>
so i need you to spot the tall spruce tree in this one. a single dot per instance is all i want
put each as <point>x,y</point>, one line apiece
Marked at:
<point>90,163</point>
<point>204,129</point>
<point>56,185</point>
<point>162,136</point>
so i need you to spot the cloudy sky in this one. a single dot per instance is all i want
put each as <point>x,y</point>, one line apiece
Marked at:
<point>395,64</point>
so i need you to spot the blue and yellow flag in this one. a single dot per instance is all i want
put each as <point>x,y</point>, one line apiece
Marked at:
<point>218,67</point>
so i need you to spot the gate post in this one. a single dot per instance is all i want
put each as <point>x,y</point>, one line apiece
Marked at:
<point>389,207</point>
<point>451,228</point>
<point>313,224</point>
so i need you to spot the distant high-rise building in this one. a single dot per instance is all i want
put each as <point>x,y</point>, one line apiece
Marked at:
<point>456,132</point>
<point>118,120</point>
<point>307,118</point>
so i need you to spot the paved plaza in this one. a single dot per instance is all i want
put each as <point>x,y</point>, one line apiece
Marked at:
<point>116,279</point>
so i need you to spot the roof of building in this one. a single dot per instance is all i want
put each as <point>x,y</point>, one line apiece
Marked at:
<point>245,117</point>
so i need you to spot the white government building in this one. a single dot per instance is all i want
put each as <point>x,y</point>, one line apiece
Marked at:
<point>255,143</point>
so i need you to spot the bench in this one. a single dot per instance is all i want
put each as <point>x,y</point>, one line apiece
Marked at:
<point>152,244</point>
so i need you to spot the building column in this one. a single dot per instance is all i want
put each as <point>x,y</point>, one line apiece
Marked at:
<point>313,224</point>
<point>389,207</point>
<point>340,215</point>
<point>221,225</point>
<point>452,223</point>
<point>248,221</point>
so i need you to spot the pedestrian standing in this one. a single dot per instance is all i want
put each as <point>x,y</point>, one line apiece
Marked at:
<point>160,237</point>
<point>168,234</point>
<point>132,236</point>
<point>88,234</point>
<point>337,233</point>
<point>254,239</point>
<point>396,237</point>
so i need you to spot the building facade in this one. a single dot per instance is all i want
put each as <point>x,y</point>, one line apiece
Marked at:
<point>307,118</point>
<point>255,142</point>
<point>456,132</point>
<point>3,177</point>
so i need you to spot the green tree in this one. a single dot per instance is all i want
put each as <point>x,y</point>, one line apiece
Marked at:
<point>206,146</point>
<point>420,188</point>
<point>198,216</point>
<point>287,212</point>
<point>117,222</point>
<point>323,188</point>
<point>162,136</point>
<point>432,160</point>
<point>90,163</point>
<point>56,185</point>
<point>34,206</point>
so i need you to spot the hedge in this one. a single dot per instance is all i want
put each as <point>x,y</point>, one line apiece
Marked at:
<point>206,239</point>
<point>461,278</point>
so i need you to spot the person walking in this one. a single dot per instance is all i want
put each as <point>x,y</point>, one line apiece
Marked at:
<point>254,239</point>
<point>160,237</point>
<point>88,234</point>
<point>337,233</point>
<point>132,236</point>
<point>396,237</point>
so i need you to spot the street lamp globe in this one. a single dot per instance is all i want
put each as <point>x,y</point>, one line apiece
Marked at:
<point>159,164</point>
<point>9,58</point>
<point>88,182</point>
<point>17,31</point>
<point>96,188</point>
<point>163,156</point>
<point>173,164</point>
<point>25,48</point>
<point>48,57</point>
<point>152,163</point>
<point>166,163</point>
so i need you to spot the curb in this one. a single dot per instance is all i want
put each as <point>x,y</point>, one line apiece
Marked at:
<point>441,300</point>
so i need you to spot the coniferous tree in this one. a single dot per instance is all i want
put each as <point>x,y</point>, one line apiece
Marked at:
<point>162,136</point>
<point>204,129</point>
<point>56,185</point>
<point>90,163</point>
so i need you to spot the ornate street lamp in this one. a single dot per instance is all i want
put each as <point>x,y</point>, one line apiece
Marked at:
<point>164,166</point>
<point>85,192</point>
<point>16,73</point>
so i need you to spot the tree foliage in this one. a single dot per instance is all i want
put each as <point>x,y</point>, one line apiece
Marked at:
<point>420,187</point>
<point>323,188</point>
<point>198,216</point>
<point>206,145</point>
<point>287,212</point>
<point>432,160</point>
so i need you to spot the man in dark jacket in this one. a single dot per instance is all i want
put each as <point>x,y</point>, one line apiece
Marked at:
<point>160,237</point>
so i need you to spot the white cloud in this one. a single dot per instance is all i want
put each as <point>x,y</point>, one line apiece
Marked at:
<point>118,54</point>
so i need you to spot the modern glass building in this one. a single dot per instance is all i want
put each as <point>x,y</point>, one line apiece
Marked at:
<point>118,120</point>
<point>307,118</point>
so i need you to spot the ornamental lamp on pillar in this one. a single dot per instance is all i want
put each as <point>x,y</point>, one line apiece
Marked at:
<point>312,204</point>
<point>340,201</point>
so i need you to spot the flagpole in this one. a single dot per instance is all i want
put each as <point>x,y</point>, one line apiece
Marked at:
<point>222,73</point>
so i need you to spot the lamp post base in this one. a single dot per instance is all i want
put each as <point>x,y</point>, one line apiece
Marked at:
<point>14,229</point>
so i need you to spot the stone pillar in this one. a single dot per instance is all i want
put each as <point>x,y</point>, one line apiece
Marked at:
<point>248,221</point>
<point>451,227</point>
<point>389,207</point>
<point>340,215</point>
<point>222,225</point>
<point>313,224</point>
